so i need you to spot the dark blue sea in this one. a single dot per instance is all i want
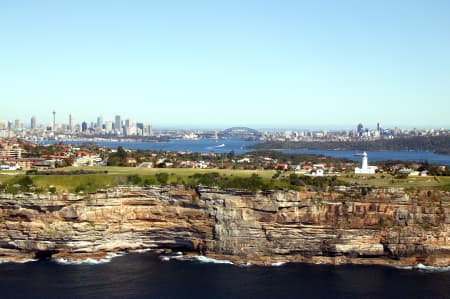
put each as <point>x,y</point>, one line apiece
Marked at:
<point>144,275</point>
<point>238,146</point>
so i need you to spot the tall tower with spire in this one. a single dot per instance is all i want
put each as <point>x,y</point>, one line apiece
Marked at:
<point>54,121</point>
<point>71,123</point>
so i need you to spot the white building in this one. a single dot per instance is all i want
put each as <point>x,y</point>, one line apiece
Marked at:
<point>365,168</point>
<point>108,127</point>
<point>87,161</point>
<point>10,167</point>
<point>190,136</point>
<point>318,172</point>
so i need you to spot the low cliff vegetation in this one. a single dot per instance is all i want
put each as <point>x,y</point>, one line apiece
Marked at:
<point>58,181</point>
<point>87,180</point>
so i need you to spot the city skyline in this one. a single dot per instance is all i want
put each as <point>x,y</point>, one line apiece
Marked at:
<point>111,123</point>
<point>285,65</point>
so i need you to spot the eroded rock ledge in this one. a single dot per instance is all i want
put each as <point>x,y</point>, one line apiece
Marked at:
<point>387,227</point>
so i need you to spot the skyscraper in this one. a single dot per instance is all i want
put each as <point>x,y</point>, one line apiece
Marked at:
<point>99,122</point>
<point>118,124</point>
<point>71,123</point>
<point>360,129</point>
<point>33,122</point>
<point>108,127</point>
<point>147,130</point>
<point>54,121</point>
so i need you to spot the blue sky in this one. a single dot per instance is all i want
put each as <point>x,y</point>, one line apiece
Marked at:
<point>225,63</point>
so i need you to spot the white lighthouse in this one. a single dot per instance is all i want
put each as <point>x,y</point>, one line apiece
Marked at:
<point>365,168</point>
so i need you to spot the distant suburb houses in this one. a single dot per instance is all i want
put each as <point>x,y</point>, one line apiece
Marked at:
<point>22,155</point>
<point>13,156</point>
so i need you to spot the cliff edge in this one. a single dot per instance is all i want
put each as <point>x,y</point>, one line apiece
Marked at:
<point>347,225</point>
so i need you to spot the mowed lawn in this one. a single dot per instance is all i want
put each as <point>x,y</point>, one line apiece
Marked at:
<point>105,177</point>
<point>386,180</point>
<point>111,176</point>
<point>176,171</point>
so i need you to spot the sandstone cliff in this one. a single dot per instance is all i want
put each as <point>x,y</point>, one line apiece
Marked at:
<point>380,227</point>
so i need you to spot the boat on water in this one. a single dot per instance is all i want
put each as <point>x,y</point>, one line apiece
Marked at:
<point>220,145</point>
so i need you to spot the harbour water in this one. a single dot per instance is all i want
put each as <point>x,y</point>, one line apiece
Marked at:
<point>238,146</point>
<point>376,156</point>
<point>144,275</point>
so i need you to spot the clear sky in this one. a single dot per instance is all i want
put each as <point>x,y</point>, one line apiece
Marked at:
<point>226,63</point>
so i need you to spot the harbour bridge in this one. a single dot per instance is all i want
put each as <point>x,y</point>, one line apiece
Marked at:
<point>240,132</point>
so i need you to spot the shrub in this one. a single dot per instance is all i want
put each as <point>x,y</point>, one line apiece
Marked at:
<point>162,177</point>
<point>134,179</point>
<point>150,181</point>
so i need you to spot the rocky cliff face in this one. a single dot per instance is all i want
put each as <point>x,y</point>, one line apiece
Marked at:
<point>380,227</point>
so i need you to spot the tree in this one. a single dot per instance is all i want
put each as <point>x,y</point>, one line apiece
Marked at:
<point>121,153</point>
<point>231,155</point>
<point>118,158</point>
<point>162,178</point>
<point>134,179</point>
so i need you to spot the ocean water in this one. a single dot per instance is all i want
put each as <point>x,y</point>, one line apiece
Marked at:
<point>238,146</point>
<point>145,275</point>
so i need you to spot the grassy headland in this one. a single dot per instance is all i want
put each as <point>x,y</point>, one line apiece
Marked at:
<point>106,177</point>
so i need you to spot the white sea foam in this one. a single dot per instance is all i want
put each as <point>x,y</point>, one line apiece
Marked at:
<point>197,258</point>
<point>430,268</point>
<point>278,264</point>
<point>204,259</point>
<point>142,250</point>
<point>422,267</point>
<point>174,256</point>
<point>19,261</point>
<point>27,261</point>
<point>164,258</point>
<point>89,261</point>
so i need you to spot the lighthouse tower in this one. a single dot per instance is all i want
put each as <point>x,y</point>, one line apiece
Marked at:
<point>365,162</point>
<point>365,168</point>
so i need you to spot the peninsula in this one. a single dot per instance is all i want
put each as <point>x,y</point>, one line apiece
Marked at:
<point>437,144</point>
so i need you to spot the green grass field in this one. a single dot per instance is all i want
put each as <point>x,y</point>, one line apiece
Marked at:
<point>111,176</point>
<point>380,180</point>
<point>177,171</point>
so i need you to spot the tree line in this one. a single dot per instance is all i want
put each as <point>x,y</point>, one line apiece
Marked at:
<point>437,144</point>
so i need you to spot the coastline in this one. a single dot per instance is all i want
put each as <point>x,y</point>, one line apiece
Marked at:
<point>394,228</point>
<point>103,258</point>
<point>241,147</point>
